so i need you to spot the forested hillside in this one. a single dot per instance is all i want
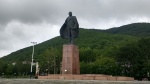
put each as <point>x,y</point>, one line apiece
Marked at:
<point>122,51</point>
<point>135,29</point>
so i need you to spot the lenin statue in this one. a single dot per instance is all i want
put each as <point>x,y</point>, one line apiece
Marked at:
<point>70,29</point>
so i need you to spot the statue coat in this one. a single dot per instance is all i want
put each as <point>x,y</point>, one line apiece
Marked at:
<point>70,25</point>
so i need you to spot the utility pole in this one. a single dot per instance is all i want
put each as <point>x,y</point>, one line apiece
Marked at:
<point>34,43</point>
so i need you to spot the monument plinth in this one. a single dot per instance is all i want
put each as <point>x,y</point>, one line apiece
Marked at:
<point>70,59</point>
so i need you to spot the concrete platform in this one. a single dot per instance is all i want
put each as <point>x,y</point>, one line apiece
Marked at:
<point>48,81</point>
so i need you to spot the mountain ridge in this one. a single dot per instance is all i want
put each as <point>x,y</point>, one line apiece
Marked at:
<point>134,29</point>
<point>122,30</point>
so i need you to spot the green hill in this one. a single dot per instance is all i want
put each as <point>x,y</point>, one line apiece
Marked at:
<point>135,29</point>
<point>92,39</point>
<point>101,52</point>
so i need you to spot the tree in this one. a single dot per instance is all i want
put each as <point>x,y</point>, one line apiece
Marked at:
<point>87,55</point>
<point>3,67</point>
<point>134,57</point>
<point>50,59</point>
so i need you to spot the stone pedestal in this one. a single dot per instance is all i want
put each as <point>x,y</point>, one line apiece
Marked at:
<point>70,60</point>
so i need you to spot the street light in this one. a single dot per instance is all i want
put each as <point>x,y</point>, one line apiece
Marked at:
<point>34,43</point>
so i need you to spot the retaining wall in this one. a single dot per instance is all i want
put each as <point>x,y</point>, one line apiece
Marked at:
<point>86,77</point>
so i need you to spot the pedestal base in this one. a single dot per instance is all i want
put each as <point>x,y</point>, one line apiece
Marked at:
<point>70,60</point>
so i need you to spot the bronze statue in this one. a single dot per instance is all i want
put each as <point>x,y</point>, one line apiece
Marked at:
<point>70,29</point>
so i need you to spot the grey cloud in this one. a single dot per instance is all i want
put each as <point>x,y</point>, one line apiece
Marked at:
<point>35,11</point>
<point>28,11</point>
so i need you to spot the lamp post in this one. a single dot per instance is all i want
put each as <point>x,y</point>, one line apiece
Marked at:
<point>34,43</point>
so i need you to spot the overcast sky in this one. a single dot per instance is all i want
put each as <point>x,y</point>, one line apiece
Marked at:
<point>24,21</point>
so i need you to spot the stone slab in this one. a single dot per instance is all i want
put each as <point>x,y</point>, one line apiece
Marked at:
<point>88,77</point>
<point>101,78</point>
<point>77,77</point>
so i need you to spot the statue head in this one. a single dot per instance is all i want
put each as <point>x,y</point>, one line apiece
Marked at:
<point>70,13</point>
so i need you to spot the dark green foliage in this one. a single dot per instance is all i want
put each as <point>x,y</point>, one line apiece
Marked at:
<point>3,66</point>
<point>122,51</point>
<point>135,29</point>
<point>135,58</point>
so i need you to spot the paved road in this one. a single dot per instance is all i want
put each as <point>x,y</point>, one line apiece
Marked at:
<point>39,81</point>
